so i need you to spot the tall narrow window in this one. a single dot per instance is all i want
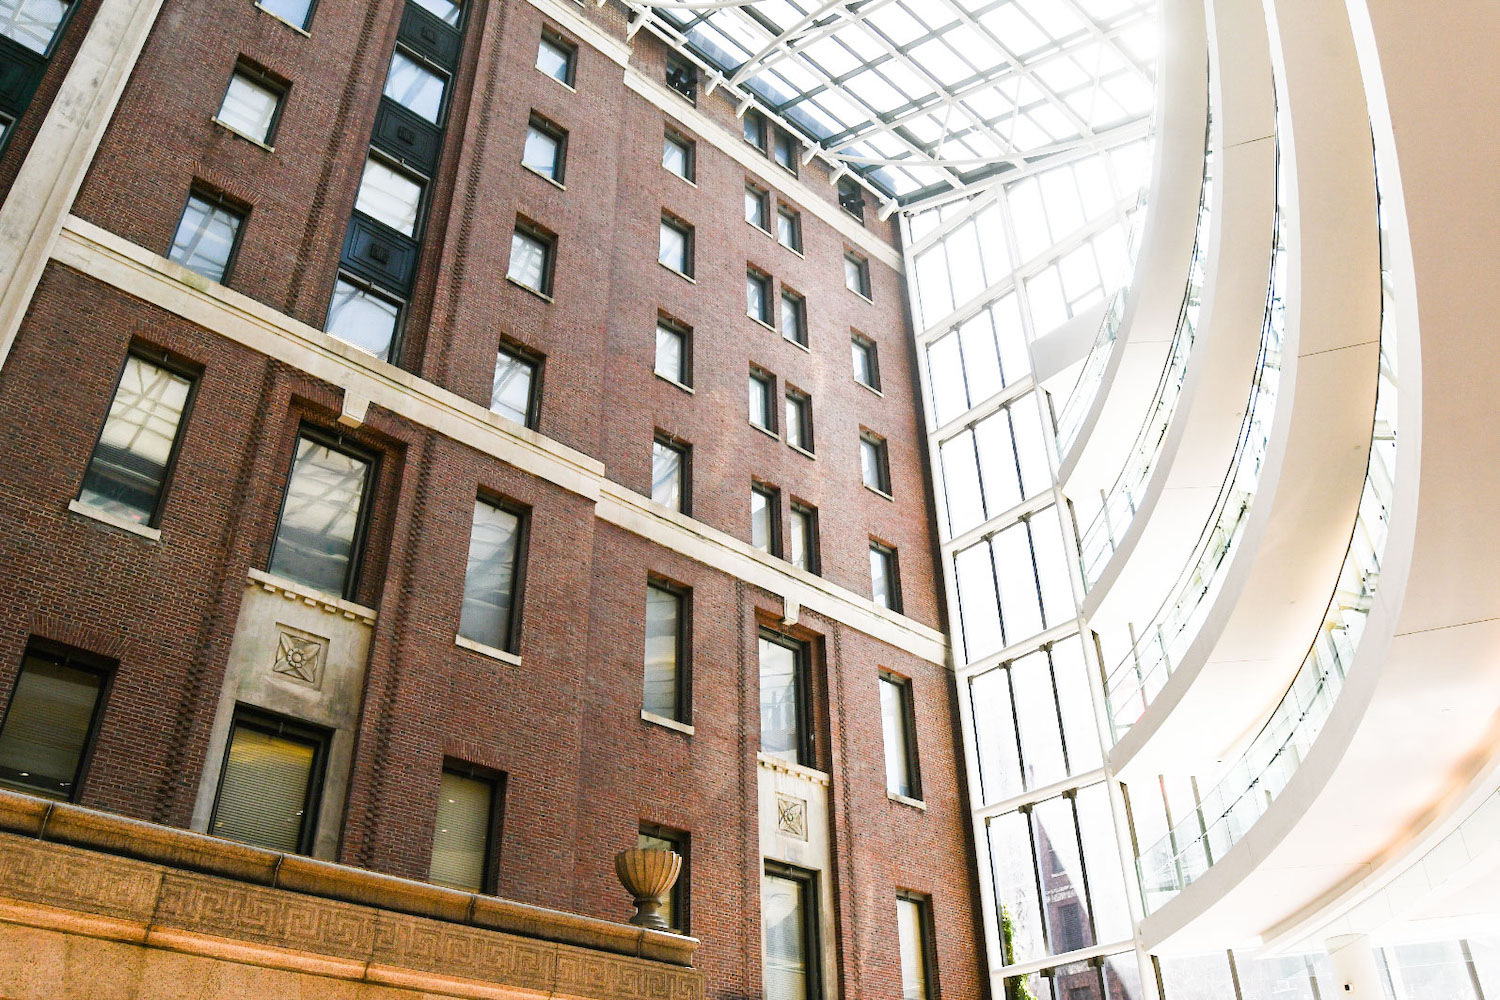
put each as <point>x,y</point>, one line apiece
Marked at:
<point>914,929</point>
<point>676,248</point>
<point>885,584</point>
<point>799,428</point>
<point>873,464</point>
<point>866,364</point>
<point>677,155</point>
<point>803,533</point>
<point>754,125</point>
<point>785,732</point>
<point>252,103</point>
<point>463,835</point>
<point>762,390</point>
<point>789,228</point>
<point>207,236</point>
<point>491,612</point>
<point>556,58</point>
<point>514,392</point>
<point>897,721</point>
<point>673,352</point>
<point>785,150</point>
<point>758,296</point>
<point>389,195</point>
<point>415,87</point>
<point>363,317</point>
<point>533,251</point>
<point>546,148</point>
<point>294,12</point>
<point>50,723</point>
<point>666,646</point>
<point>756,210</point>
<point>765,520</point>
<point>322,517</point>
<point>271,783</point>
<point>127,474</point>
<point>793,317</point>
<point>789,904</point>
<point>669,485</point>
<point>675,911</point>
<point>856,273</point>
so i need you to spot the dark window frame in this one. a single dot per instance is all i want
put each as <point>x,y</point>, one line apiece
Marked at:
<point>863,264</point>
<point>908,730</point>
<point>305,27</point>
<point>767,381</point>
<point>762,198</point>
<point>872,352</point>
<point>397,165</point>
<point>496,780</point>
<point>682,77</point>
<point>218,198</point>
<point>786,211</point>
<point>803,402</point>
<point>807,743</point>
<point>555,38</point>
<point>682,889</point>
<point>684,450</point>
<point>689,249</point>
<point>852,199</point>
<point>893,573</point>
<point>772,496</point>
<point>277,724</point>
<point>689,147</point>
<point>684,597</point>
<point>548,239</point>
<point>779,136</point>
<point>78,659</point>
<point>549,128</point>
<point>336,442</point>
<point>813,541</point>
<point>811,900</point>
<point>177,366</point>
<point>536,360</point>
<point>752,118</point>
<point>883,462</point>
<point>923,902</point>
<point>799,305</point>
<point>766,285</point>
<point>260,75</point>
<point>522,513</point>
<point>685,332</point>
<point>398,330</point>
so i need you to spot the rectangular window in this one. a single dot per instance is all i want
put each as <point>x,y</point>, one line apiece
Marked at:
<point>676,248</point>
<point>804,537</point>
<point>673,352</point>
<point>885,582</point>
<point>754,125</point>
<point>682,76</point>
<point>546,148</point>
<point>533,252</point>
<point>677,154</point>
<point>789,916</point>
<point>799,427</point>
<point>873,465</point>
<point>50,724</point>
<point>914,929</point>
<point>513,393</point>
<point>793,317</point>
<point>463,834</point>
<point>666,649</point>
<point>252,103</point>
<point>447,11</point>
<point>319,535</point>
<point>762,388</point>
<point>758,296</point>
<point>271,783</point>
<point>852,199</point>
<point>297,12</point>
<point>898,724</point>
<point>785,729</point>
<point>491,612</point>
<point>556,58</point>
<point>415,87</point>
<point>765,519</point>
<point>389,196</point>
<point>789,228</point>
<point>756,202</point>
<point>856,273</point>
<point>866,366</point>
<point>675,911</point>
<point>786,150</point>
<point>207,236</point>
<point>127,473</point>
<point>669,473</point>
<point>359,315</point>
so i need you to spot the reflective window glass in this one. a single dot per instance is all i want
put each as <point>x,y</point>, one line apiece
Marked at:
<point>249,107</point>
<point>491,587</point>
<point>664,648</point>
<point>445,10</point>
<point>48,726</point>
<point>912,933</point>
<point>677,156</point>
<point>291,11</point>
<point>544,149</point>
<point>320,518</point>
<point>128,469</point>
<point>803,534</point>
<point>206,237</point>
<point>555,58</point>
<point>755,207</point>
<point>866,372</point>
<point>32,23</point>
<point>675,248</point>
<point>781,692</point>
<point>363,318</point>
<point>895,723</point>
<point>514,390</point>
<point>390,196</point>
<point>671,353</point>
<point>667,476</point>
<point>531,261</point>
<point>758,296</point>
<point>760,391</point>
<point>791,950</point>
<point>268,788</point>
<point>794,318</point>
<point>415,87</point>
<point>763,533</point>
<point>885,589</point>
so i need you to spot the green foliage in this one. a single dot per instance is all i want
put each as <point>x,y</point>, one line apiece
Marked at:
<point>1016,987</point>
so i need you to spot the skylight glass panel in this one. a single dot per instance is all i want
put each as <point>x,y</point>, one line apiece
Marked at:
<point>1057,19</point>
<point>1016,31</point>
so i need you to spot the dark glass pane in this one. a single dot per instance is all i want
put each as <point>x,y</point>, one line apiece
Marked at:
<point>47,727</point>
<point>129,463</point>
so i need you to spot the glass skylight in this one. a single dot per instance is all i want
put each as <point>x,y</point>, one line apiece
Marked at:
<point>921,97</point>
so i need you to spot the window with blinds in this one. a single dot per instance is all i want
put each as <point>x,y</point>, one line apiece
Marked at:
<point>44,740</point>
<point>462,838</point>
<point>789,918</point>
<point>269,788</point>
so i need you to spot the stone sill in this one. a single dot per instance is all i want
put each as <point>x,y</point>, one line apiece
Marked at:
<point>123,524</point>
<point>64,823</point>
<point>490,651</point>
<point>666,723</point>
<point>907,800</point>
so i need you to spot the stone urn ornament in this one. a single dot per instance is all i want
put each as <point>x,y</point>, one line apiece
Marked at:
<point>648,874</point>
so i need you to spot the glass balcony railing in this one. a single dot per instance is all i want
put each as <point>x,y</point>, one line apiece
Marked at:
<point>1081,398</point>
<point>1118,504</point>
<point>1246,790</point>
